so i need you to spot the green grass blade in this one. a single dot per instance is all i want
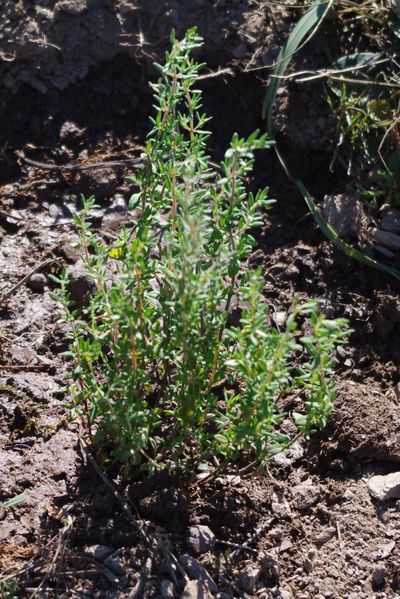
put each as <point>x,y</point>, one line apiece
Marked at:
<point>307,25</point>
<point>330,232</point>
<point>308,22</point>
<point>14,500</point>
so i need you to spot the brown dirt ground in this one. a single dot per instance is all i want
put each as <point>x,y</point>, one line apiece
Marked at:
<point>343,544</point>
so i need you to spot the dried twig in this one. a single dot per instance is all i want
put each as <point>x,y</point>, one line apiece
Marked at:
<point>138,162</point>
<point>137,590</point>
<point>153,540</point>
<point>26,278</point>
<point>236,546</point>
<point>252,539</point>
<point>62,537</point>
<point>19,367</point>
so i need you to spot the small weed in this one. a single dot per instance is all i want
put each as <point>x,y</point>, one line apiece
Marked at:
<point>159,377</point>
<point>8,589</point>
<point>15,500</point>
<point>365,98</point>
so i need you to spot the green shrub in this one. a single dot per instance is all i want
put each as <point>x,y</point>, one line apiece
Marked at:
<point>159,377</point>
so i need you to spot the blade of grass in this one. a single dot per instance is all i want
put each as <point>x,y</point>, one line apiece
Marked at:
<point>14,500</point>
<point>307,26</point>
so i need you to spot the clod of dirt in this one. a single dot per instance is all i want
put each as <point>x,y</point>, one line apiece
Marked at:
<point>385,487</point>
<point>84,33</point>
<point>70,132</point>
<point>103,501</point>
<point>99,183</point>
<point>270,569</point>
<point>37,282</point>
<point>365,425</point>
<point>80,285</point>
<point>170,509</point>
<point>280,505</point>
<point>378,577</point>
<point>201,539</point>
<point>72,7</point>
<point>345,213</point>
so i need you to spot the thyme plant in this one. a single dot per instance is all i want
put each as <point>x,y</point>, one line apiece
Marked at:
<point>159,377</point>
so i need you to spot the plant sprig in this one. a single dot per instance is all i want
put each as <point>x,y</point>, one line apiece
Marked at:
<point>152,346</point>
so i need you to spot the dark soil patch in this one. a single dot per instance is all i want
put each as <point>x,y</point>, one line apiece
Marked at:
<point>311,527</point>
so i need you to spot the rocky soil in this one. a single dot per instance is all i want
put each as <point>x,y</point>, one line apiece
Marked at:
<point>316,524</point>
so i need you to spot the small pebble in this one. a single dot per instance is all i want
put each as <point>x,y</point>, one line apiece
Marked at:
<point>378,577</point>
<point>54,211</point>
<point>308,565</point>
<point>305,495</point>
<point>115,564</point>
<point>98,552</point>
<point>385,487</point>
<point>325,536</point>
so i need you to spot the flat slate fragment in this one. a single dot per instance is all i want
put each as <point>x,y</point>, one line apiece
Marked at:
<point>385,487</point>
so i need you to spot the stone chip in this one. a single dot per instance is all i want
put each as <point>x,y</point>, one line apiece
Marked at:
<point>385,487</point>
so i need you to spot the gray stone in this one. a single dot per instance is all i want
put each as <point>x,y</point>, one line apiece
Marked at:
<point>378,576</point>
<point>385,487</point>
<point>195,589</point>
<point>390,220</point>
<point>23,355</point>
<point>325,536</point>
<point>72,7</point>
<point>384,550</point>
<point>196,571</point>
<point>386,238</point>
<point>288,456</point>
<point>54,211</point>
<point>201,538</point>
<point>37,282</point>
<point>248,579</point>
<point>344,212</point>
<point>167,589</point>
<point>70,131</point>
<point>98,552</point>
<point>305,495</point>
<point>115,565</point>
